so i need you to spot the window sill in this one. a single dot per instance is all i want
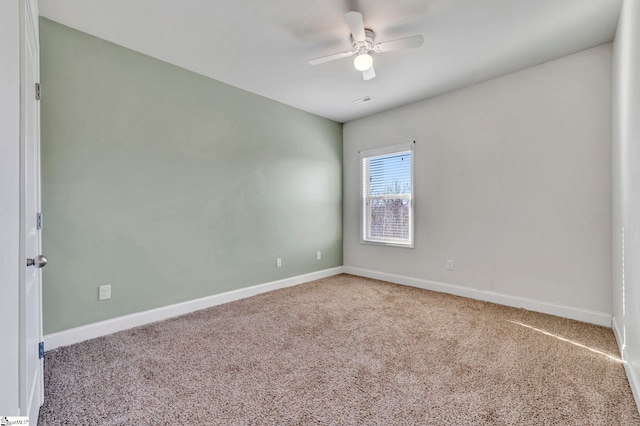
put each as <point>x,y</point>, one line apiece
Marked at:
<point>388,244</point>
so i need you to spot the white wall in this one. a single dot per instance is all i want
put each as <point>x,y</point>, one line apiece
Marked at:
<point>626,189</point>
<point>512,182</point>
<point>9,205</point>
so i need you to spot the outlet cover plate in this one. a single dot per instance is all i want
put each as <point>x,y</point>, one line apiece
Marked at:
<point>104,292</point>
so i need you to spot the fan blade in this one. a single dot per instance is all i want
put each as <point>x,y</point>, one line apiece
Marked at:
<point>328,58</point>
<point>356,25</point>
<point>399,44</point>
<point>368,74</point>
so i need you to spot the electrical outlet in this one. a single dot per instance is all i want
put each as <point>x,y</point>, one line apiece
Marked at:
<point>278,263</point>
<point>104,292</point>
<point>449,264</point>
<point>318,255</point>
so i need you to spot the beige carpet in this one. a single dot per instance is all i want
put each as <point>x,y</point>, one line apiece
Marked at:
<point>344,350</point>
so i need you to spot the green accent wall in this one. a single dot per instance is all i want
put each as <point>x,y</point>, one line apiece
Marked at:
<point>171,186</point>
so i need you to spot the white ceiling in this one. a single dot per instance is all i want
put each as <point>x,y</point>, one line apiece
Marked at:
<point>263,46</point>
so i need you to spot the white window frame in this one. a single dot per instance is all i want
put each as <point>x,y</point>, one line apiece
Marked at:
<point>365,217</point>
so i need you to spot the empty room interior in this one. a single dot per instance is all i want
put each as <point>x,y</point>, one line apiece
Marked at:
<point>336,212</point>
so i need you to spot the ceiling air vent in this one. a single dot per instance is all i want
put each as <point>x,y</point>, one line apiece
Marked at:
<point>363,100</point>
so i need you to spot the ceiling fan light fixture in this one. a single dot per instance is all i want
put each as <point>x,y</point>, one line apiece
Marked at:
<point>363,62</point>
<point>363,42</point>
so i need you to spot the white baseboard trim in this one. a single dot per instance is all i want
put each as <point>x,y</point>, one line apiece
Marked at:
<point>616,332</point>
<point>584,315</point>
<point>632,375</point>
<point>102,328</point>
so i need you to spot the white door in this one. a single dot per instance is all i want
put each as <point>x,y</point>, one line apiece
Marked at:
<point>31,363</point>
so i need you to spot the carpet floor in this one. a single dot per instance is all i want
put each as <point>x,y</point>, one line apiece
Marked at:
<point>339,351</point>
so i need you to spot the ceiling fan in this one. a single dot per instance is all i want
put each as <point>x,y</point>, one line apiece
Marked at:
<point>362,42</point>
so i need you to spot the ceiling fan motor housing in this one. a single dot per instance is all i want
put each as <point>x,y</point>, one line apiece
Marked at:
<point>366,45</point>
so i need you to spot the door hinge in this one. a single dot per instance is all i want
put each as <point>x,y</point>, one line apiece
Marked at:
<point>38,92</point>
<point>39,221</point>
<point>40,350</point>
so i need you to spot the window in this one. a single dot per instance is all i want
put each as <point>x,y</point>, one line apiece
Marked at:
<point>387,204</point>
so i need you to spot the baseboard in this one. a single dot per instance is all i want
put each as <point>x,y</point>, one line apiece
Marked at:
<point>616,332</point>
<point>584,315</point>
<point>103,328</point>
<point>632,375</point>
